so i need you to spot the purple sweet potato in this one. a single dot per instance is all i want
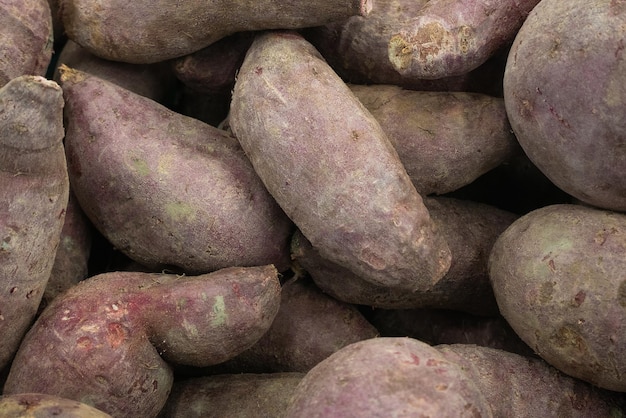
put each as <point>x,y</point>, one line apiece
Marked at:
<point>523,387</point>
<point>565,95</point>
<point>329,165</point>
<point>40,405</point>
<point>558,277</point>
<point>34,191</point>
<point>148,31</point>
<point>445,140</point>
<point>106,341</point>
<point>242,395</point>
<point>469,228</point>
<point>167,190</point>
<point>25,38</point>
<point>387,377</point>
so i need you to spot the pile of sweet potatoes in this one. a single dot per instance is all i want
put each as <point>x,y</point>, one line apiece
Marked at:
<point>345,208</point>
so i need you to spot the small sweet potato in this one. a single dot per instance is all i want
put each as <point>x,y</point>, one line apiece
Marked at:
<point>445,140</point>
<point>152,31</point>
<point>558,277</point>
<point>106,341</point>
<point>40,405</point>
<point>167,190</point>
<point>329,165</point>
<point>34,191</point>
<point>469,228</point>
<point>565,95</point>
<point>242,395</point>
<point>26,38</point>
<point>387,377</point>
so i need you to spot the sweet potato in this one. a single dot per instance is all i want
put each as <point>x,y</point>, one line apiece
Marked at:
<point>243,395</point>
<point>26,38</point>
<point>387,377</point>
<point>445,140</point>
<point>149,31</point>
<point>523,387</point>
<point>565,95</point>
<point>34,191</point>
<point>558,278</point>
<point>332,169</point>
<point>40,405</point>
<point>167,190</point>
<point>469,228</point>
<point>106,341</point>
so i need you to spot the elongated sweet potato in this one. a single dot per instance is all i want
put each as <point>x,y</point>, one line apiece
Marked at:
<point>166,189</point>
<point>469,228</point>
<point>34,189</point>
<point>40,405</point>
<point>149,31</point>
<point>25,38</point>
<point>387,377</point>
<point>332,169</point>
<point>242,395</point>
<point>565,95</point>
<point>106,341</point>
<point>558,277</point>
<point>445,140</point>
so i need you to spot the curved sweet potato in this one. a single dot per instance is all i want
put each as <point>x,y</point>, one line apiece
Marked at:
<point>34,189</point>
<point>106,341</point>
<point>332,169</point>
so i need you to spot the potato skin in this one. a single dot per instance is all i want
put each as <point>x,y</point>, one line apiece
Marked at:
<point>445,140</point>
<point>167,190</point>
<point>40,405</point>
<point>34,189</point>
<point>382,377</point>
<point>565,95</point>
<point>106,341</point>
<point>329,165</point>
<point>558,277</point>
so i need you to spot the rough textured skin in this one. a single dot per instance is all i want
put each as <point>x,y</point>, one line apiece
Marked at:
<point>469,228</point>
<point>451,37</point>
<point>440,326</point>
<point>332,169</point>
<point>387,377</point>
<point>309,327</point>
<point>524,387</point>
<point>558,277</point>
<point>155,31</point>
<point>154,81</point>
<point>244,395</point>
<point>106,341</point>
<point>72,255</point>
<point>34,189</point>
<point>40,405</point>
<point>167,190</point>
<point>565,95</point>
<point>25,38</point>
<point>444,139</point>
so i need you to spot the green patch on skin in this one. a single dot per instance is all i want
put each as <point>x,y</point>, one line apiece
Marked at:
<point>219,312</point>
<point>180,211</point>
<point>140,166</point>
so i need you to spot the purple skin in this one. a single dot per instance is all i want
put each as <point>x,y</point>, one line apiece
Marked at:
<point>332,169</point>
<point>558,277</point>
<point>25,37</point>
<point>167,190</point>
<point>153,31</point>
<point>34,191</point>
<point>106,341</point>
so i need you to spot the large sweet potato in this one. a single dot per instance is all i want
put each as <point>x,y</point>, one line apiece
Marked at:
<point>332,169</point>
<point>106,341</point>
<point>565,95</point>
<point>148,31</point>
<point>34,191</point>
<point>558,277</point>
<point>166,189</point>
